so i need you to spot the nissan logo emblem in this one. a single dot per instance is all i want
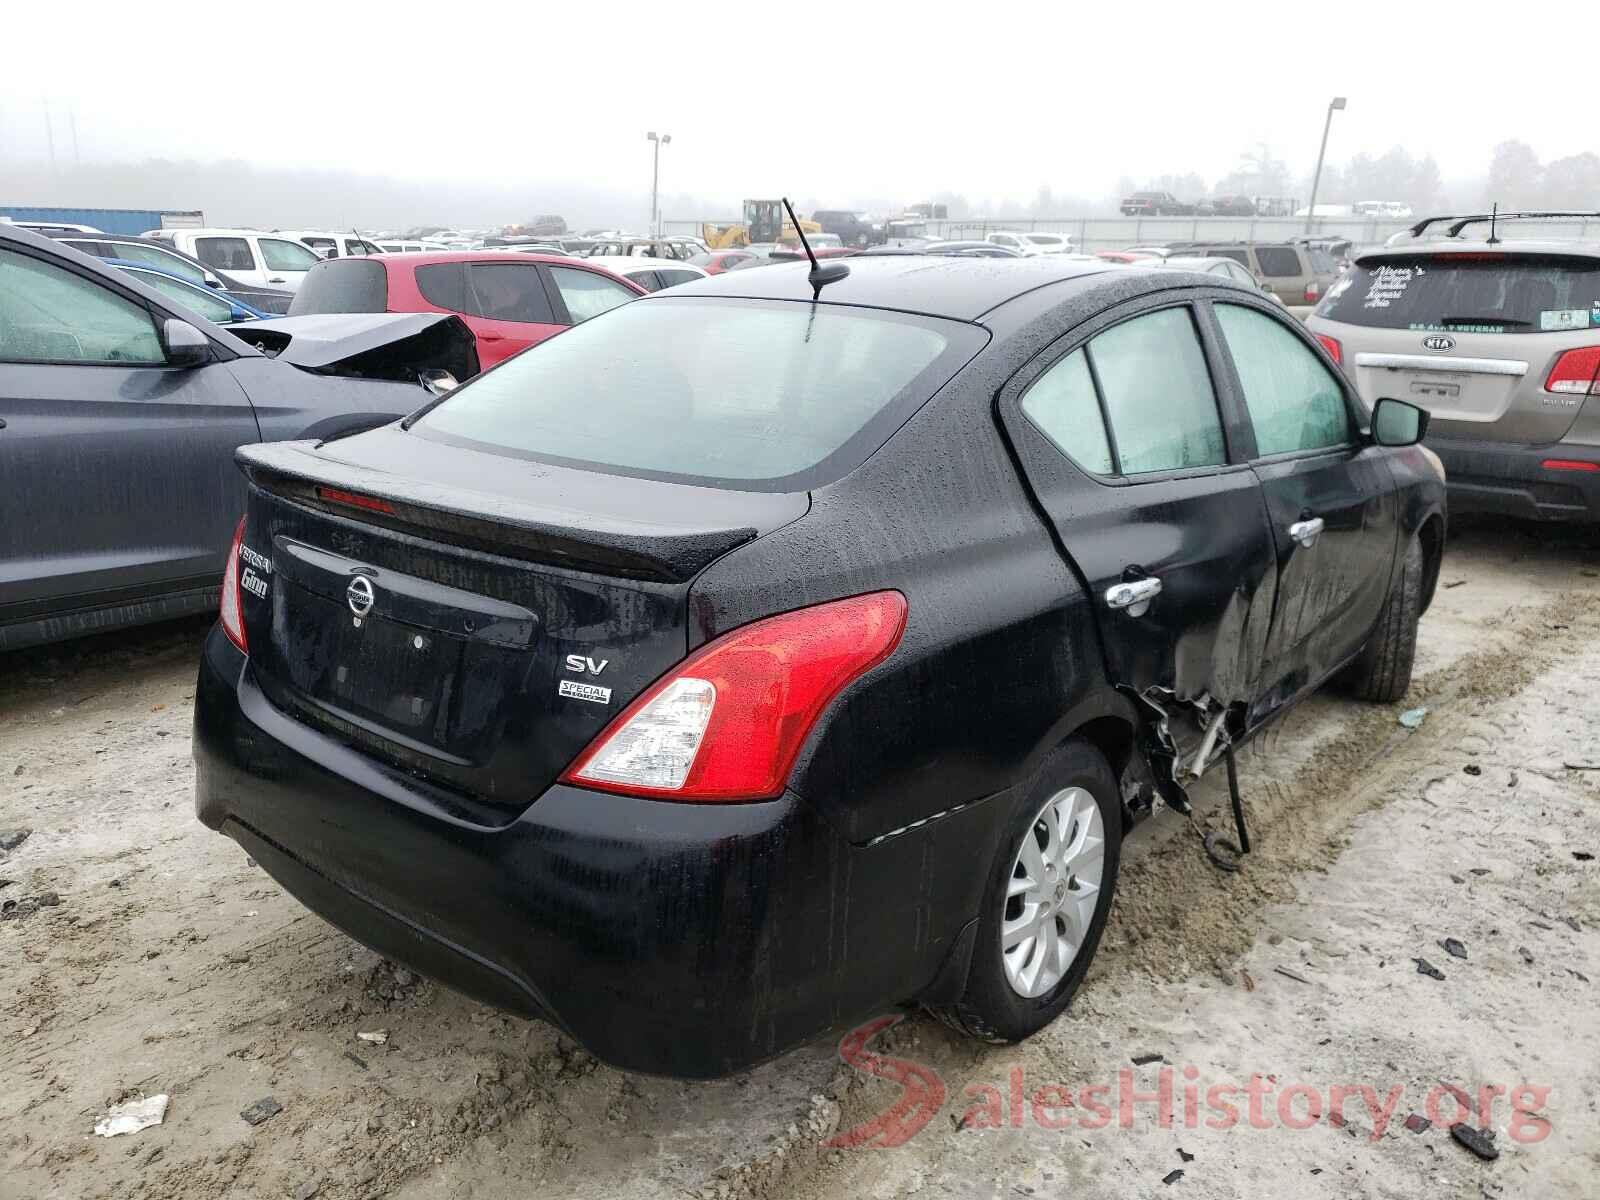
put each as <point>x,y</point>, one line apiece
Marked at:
<point>1439,341</point>
<point>360,595</point>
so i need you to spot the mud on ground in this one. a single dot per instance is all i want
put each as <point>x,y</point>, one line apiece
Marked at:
<point>171,965</point>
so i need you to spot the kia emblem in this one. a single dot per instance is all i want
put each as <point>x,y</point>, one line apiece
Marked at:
<point>360,595</point>
<point>1438,341</point>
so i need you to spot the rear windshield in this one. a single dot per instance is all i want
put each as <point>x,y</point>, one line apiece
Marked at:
<point>341,285</point>
<point>1488,293</point>
<point>755,395</point>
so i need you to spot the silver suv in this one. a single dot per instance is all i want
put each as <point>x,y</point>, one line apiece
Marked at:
<point>1499,339</point>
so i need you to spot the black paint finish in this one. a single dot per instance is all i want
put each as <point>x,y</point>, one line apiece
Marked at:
<point>696,939</point>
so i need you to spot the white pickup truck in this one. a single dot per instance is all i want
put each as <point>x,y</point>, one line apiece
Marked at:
<point>273,259</point>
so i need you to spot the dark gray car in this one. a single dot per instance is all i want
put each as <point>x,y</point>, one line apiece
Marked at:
<point>169,258</point>
<point>120,412</point>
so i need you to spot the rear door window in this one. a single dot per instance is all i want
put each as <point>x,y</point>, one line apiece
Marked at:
<point>587,293</point>
<point>1239,256</point>
<point>225,253</point>
<point>672,278</point>
<point>509,292</point>
<point>1278,262</point>
<point>342,285</point>
<point>1293,400</point>
<point>752,394</point>
<point>155,257</point>
<point>1158,395</point>
<point>1474,293</point>
<point>287,256</point>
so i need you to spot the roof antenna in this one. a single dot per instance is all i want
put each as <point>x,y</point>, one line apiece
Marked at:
<point>820,275</point>
<point>1494,215</point>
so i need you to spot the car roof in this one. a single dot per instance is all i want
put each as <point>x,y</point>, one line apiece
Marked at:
<point>638,262</point>
<point>939,285</point>
<point>423,257</point>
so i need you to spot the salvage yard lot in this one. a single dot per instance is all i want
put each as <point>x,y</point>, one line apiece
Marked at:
<point>171,965</point>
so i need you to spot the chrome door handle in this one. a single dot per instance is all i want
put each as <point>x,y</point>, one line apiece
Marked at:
<point>1134,595</point>
<point>1306,532</point>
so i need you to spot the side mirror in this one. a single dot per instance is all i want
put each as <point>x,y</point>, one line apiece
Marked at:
<point>438,382</point>
<point>185,345</point>
<point>1396,423</point>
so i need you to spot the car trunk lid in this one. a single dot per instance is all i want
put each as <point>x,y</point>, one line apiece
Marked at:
<point>471,619</point>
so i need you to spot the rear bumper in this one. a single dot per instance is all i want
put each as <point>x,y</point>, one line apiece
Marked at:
<point>1509,478</point>
<point>677,939</point>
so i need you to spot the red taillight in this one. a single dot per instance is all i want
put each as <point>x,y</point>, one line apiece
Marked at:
<point>1331,345</point>
<point>231,611</point>
<point>1312,292</point>
<point>1569,464</point>
<point>728,722</point>
<point>1575,372</point>
<point>354,500</point>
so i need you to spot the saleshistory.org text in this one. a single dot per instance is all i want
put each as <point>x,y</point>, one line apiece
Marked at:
<point>1172,1097</point>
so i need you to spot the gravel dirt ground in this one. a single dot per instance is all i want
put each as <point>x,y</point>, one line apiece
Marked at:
<point>168,964</point>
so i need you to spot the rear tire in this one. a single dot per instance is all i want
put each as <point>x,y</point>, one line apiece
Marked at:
<point>1382,673</point>
<point>1077,789</point>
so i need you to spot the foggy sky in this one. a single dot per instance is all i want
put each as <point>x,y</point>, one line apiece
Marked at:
<point>845,104</point>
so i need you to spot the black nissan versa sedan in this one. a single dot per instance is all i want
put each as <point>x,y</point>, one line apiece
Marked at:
<point>742,662</point>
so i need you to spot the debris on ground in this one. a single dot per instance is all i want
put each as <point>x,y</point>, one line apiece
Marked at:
<point>1424,967</point>
<point>1583,856</point>
<point>357,1059</point>
<point>263,1109</point>
<point>26,906</point>
<point>1479,1141</point>
<point>1454,947</point>
<point>1454,583</point>
<point>1173,1176</point>
<point>1185,1155</point>
<point>1412,717</point>
<point>1416,1123</point>
<point>1527,955</point>
<point>1144,1060</point>
<point>1578,975</point>
<point>10,839</point>
<point>1473,769</point>
<point>132,1115</point>
<point>377,1037</point>
<point>308,1189</point>
<point>1291,974</point>
<point>1582,766</point>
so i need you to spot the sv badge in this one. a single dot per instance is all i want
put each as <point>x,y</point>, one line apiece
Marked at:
<point>580,664</point>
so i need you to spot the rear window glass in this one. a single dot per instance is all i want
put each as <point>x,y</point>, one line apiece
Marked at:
<point>757,395</point>
<point>341,285</point>
<point>1278,262</point>
<point>1490,293</point>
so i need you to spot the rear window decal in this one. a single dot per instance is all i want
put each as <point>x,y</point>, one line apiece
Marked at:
<point>1388,285</point>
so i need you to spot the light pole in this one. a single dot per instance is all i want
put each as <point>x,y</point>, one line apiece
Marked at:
<point>655,181</point>
<point>1334,105</point>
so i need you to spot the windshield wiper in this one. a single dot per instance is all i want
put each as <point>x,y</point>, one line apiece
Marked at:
<point>1494,320</point>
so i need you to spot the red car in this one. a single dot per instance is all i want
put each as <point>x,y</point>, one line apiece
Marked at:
<point>511,301</point>
<point>719,261</point>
